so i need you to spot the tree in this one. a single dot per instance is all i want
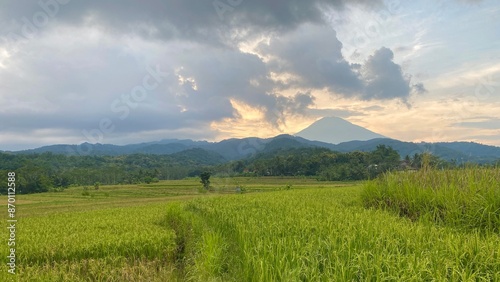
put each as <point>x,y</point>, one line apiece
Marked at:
<point>205,179</point>
<point>32,179</point>
<point>148,179</point>
<point>61,180</point>
<point>416,161</point>
<point>385,157</point>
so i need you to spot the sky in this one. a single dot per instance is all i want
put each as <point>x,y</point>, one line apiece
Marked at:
<point>122,72</point>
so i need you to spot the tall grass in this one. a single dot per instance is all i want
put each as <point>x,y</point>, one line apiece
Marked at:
<point>326,235</point>
<point>465,198</point>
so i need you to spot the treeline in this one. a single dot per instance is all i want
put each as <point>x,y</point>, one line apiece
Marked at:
<point>327,165</point>
<point>320,162</point>
<point>40,172</point>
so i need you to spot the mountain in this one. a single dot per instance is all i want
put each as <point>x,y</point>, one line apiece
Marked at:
<point>335,130</point>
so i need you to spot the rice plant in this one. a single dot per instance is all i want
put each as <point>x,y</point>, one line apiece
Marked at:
<point>89,245</point>
<point>326,235</point>
<point>299,234</point>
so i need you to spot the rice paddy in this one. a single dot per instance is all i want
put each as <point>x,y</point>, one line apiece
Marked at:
<point>274,229</point>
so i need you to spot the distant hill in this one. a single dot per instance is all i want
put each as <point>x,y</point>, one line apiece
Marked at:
<point>472,149</point>
<point>163,147</point>
<point>203,152</point>
<point>198,156</point>
<point>335,130</point>
<point>403,148</point>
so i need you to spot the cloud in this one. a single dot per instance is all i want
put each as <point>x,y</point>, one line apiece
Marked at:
<point>419,88</point>
<point>91,79</point>
<point>384,79</point>
<point>491,123</point>
<point>470,1</point>
<point>313,56</point>
<point>334,112</point>
<point>374,108</point>
<point>204,21</point>
<point>289,106</point>
<point>82,66</point>
<point>214,76</point>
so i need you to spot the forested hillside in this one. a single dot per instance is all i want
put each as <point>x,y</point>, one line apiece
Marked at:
<point>237,149</point>
<point>322,163</point>
<point>41,172</point>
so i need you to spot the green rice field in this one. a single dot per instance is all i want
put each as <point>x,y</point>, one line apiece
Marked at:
<point>270,229</point>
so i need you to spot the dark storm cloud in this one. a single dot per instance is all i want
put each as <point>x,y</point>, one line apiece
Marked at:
<point>313,55</point>
<point>208,21</point>
<point>190,14</point>
<point>384,79</point>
